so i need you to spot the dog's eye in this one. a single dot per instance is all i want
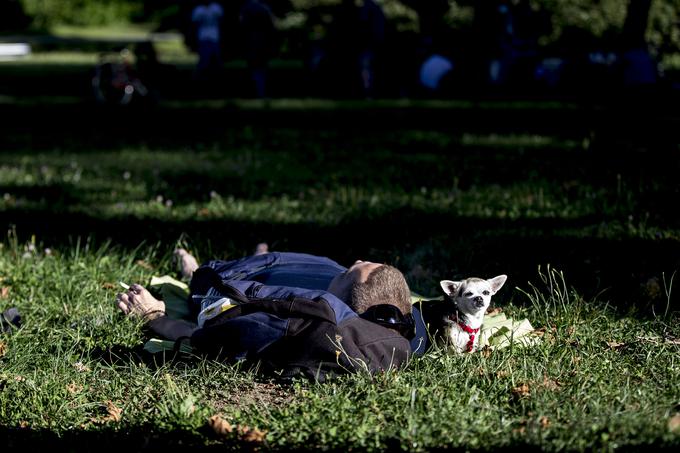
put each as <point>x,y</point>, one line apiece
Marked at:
<point>467,294</point>
<point>486,293</point>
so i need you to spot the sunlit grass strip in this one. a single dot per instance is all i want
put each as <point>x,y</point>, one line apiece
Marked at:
<point>140,183</point>
<point>123,31</point>
<point>301,104</point>
<point>336,209</point>
<point>103,187</point>
<point>327,207</point>
<point>59,58</point>
<point>514,141</point>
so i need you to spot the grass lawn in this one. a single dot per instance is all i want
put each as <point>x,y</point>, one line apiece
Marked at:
<point>74,376</point>
<point>583,222</point>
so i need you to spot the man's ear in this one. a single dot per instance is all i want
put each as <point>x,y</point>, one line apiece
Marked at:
<point>450,287</point>
<point>497,283</point>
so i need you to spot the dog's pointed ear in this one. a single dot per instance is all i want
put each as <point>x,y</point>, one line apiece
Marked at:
<point>450,287</point>
<point>497,282</point>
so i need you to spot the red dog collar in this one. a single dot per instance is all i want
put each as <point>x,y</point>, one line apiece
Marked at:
<point>470,332</point>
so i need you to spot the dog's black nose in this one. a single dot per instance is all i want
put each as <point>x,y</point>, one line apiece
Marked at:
<point>479,301</point>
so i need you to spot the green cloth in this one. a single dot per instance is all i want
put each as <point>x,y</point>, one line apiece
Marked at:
<point>499,331</point>
<point>175,294</point>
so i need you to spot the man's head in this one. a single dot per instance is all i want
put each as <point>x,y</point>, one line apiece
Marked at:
<point>366,284</point>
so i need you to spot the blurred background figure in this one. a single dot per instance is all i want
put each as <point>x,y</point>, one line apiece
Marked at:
<point>206,18</point>
<point>335,52</point>
<point>433,73</point>
<point>505,45</point>
<point>352,48</point>
<point>371,32</point>
<point>115,80</point>
<point>640,71</point>
<point>259,41</point>
<point>155,74</point>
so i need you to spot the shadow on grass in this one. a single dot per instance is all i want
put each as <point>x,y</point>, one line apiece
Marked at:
<point>214,118</point>
<point>122,355</point>
<point>118,438</point>
<point>150,438</point>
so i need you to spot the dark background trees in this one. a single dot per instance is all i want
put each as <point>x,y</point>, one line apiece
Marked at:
<point>594,17</point>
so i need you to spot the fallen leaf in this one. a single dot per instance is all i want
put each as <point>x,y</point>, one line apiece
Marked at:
<point>74,388</point>
<point>144,264</point>
<point>615,345</point>
<point>571,330</point>
<point>108,285</point>
<point>674,424</point>
<point>494,312</point>
<point>522,390</point>
<point>114,413</point>
<point>486,352</point>
<point>544,422</point>
<point>249,434</point>
<point>23,424</point>
<point>502,374</point>
<point>220,426</point>
<point>539,332</point>
<point>4,292</point>
<point>3,348</point>
<point>254,435</point>
<point>550,384</point>
<point>203,212</point>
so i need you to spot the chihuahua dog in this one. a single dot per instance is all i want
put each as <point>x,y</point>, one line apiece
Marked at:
<point>457,320</point>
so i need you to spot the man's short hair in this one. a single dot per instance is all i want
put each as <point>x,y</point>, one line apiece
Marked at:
<point>385,285</point>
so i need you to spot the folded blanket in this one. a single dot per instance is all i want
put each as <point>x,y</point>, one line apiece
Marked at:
<point>499,331</point>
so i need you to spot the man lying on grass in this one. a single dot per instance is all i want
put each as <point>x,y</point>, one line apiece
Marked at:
<point>292,311</point>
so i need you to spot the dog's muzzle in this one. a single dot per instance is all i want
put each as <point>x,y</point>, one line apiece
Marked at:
<point>479,301</point>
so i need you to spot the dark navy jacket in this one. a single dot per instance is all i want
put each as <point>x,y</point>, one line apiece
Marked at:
<point>283,291</point>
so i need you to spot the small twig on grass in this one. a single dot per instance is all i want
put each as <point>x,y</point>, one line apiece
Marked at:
<point>668,290</point>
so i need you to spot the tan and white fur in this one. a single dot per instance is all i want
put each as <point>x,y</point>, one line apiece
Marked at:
<point>456,322</point>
